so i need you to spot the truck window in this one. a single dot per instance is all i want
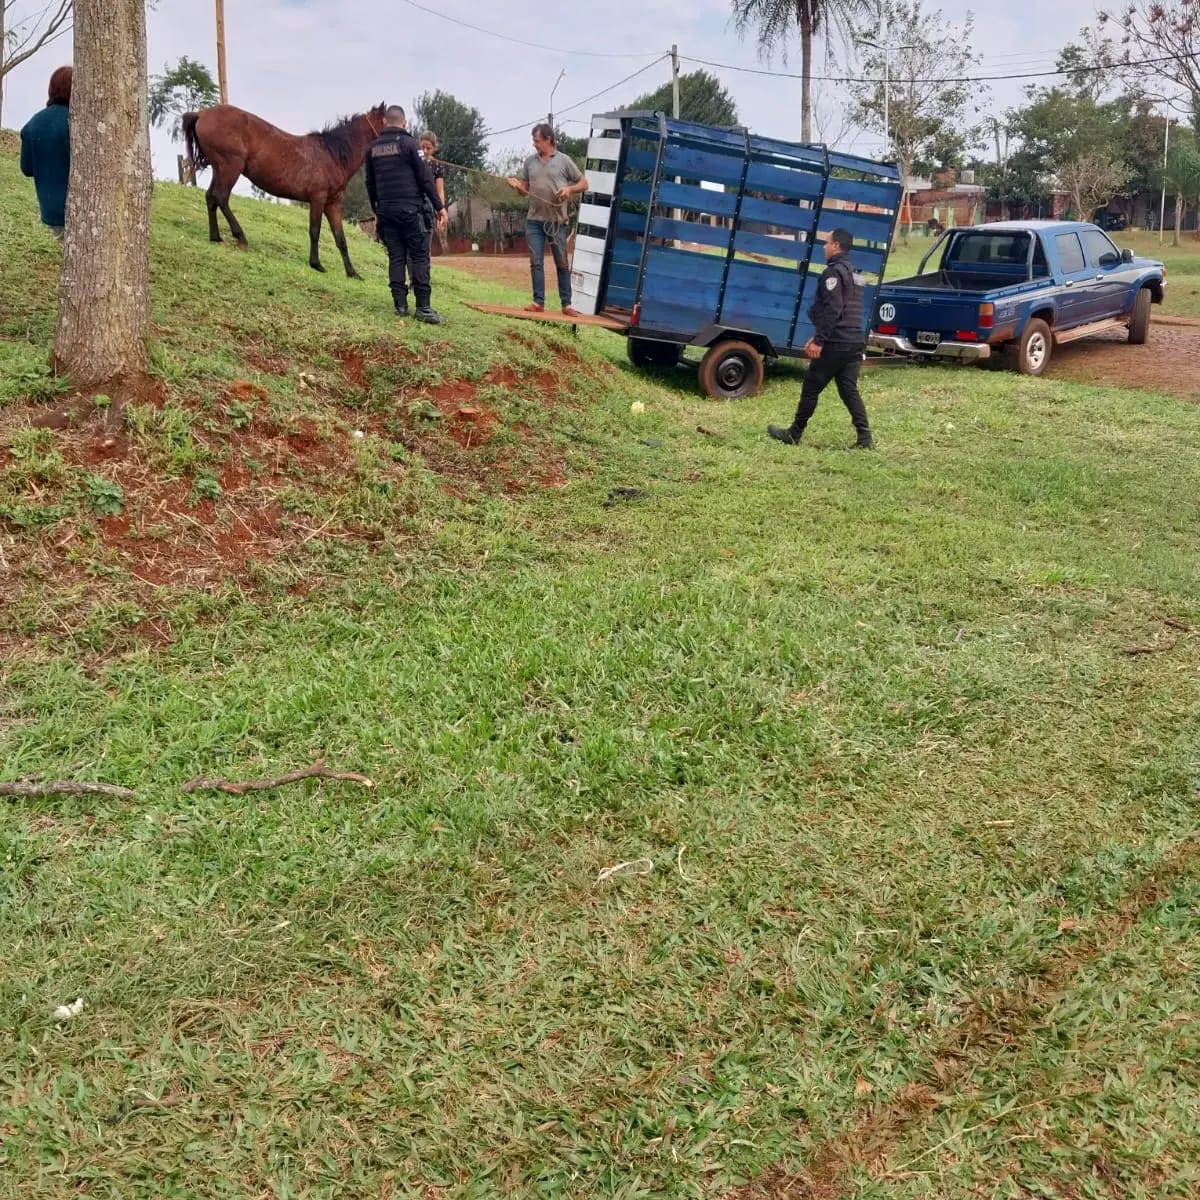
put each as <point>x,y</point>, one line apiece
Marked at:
<point>1009,249</point>
<point>1100,251</point>
<point>1070,252</point>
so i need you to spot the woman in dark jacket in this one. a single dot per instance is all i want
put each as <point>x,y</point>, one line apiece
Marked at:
<point>46,152</point>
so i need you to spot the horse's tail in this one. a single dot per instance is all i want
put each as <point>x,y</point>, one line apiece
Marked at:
<point>194,149</point>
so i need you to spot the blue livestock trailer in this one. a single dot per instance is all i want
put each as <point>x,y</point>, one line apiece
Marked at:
<point>698,236</point>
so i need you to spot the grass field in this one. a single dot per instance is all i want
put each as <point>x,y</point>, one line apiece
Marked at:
<point>898,751</point>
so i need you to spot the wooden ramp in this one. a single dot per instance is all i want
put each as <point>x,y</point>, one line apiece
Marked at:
<point>600,321</point>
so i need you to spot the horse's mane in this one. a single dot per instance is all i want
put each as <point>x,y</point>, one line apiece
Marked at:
<point>340,139</point>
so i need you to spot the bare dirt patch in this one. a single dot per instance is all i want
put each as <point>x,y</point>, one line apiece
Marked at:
<point>510,269</point>
<point>1166,363</point>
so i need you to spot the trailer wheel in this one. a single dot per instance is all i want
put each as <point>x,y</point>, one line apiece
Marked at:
<point>648,352</point>
<point>1139,322</point>
<point>1033,350</point>
<point>731,370</point>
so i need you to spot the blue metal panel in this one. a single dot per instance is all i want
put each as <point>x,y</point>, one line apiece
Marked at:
<point>773,212</point>
<point>626,250</point>
<point>804,185</point>
<point>866,227</point>
<point>689,231</point>
<point>774,247</point>
<point>673,318</point>
<point>888,171</point>
<point>641,160</point>
<point>771,288</point>
<point>809,155</point>
<point>694,164</point>
<point>633,222</point>
<point>634,192</point>
<point>859,191</point>
<point>868,260</point>
<point>721,204</point>
<point>689,266</point>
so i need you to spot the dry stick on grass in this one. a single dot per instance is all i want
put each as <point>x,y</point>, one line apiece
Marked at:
<point>66,787</point>
<point>1153,648</point>
<point>317,771</point>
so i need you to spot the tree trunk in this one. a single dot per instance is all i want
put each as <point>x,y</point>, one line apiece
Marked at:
<point>806,45</point>
<point>1178,217</point>
<point>103,294</point>
<point>3,61</point>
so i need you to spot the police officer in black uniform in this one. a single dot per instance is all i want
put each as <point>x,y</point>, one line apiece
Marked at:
<point>836,347</point>
<point>399,183</point>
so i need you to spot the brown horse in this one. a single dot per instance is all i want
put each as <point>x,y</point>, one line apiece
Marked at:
<point>315,166</point>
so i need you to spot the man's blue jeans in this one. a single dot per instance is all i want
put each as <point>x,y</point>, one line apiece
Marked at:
<point>536,239</point>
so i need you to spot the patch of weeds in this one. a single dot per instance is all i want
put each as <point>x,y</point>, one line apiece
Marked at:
<point>239,413</point>
<point>35,452</point>
<point>104,497</point>
<point>204,487</point>
<point>166,434</point>
<point>25,375</point>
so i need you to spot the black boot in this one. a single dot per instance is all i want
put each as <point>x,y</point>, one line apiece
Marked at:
<point>428,315</point>
<point>865,441</point>
<point>789,436</point>
<point>402,308</point>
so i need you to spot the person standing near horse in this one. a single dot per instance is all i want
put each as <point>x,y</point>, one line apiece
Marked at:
<point>429,148</point>
<point>399,182</point>
<point>46,152</point>
<point>550,178</point>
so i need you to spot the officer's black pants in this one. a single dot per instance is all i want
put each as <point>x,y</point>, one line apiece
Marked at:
<point>407,246</point>
<point>840,364</point>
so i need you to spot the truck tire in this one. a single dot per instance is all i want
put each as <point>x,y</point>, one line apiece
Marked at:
<point>1033,350</point>
<point>1139,321</point>
<point>731,370</point>
<point>648,352</point>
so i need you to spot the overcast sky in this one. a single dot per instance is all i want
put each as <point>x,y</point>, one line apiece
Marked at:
<point>299,63</point>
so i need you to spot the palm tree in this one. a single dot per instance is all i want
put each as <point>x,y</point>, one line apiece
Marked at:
<point>775,18</point>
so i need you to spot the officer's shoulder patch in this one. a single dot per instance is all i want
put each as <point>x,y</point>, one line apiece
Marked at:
<point>830,282</point>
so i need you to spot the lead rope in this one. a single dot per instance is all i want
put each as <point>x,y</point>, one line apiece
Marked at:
<point>551,227</point>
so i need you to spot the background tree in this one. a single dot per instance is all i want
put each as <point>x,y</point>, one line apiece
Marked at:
<point>185,87</point>
<point>1091,180</point>
<point>1182,176</point>
<point>493,192</point>
<point>462,137</point>
<point>573,147</point>
<point>702,98</point>
<point>929,108</point>
<point>775,21</point>
<point>21,37</point>
<point>103,292</point>
<point>1164,30</point>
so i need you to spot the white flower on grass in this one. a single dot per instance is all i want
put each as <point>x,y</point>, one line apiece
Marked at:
<point>65,1012</point>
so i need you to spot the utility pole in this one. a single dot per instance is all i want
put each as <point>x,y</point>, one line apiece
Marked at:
<point>221,77</point>
<point>675,82</point>
<point>550,114</point>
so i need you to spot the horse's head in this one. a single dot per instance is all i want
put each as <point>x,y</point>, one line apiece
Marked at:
<point>375,118</point>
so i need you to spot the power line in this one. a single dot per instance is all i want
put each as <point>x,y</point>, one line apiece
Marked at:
<point>579,103</point>
<point>1079,70</point>
<point>433,12</point>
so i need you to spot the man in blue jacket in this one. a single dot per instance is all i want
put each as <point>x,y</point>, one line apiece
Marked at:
<point>46,152</point>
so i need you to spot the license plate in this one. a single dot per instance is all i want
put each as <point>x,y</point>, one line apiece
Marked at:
<point>928,337</point>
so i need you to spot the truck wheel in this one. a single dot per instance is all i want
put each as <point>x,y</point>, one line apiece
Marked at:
<point>731,370</point>
<point>1139,322</point>
<point>646,352</point>
<point>1033,350</point>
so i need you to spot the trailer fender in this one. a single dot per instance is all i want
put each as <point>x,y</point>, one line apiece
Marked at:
<point>710,335</point>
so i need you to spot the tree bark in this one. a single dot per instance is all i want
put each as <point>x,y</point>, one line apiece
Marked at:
<point>104,303</point>
<point>1178,216</point>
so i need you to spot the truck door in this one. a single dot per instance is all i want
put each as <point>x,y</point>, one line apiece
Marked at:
<point>1108,288</point>
<point>1073,296</point>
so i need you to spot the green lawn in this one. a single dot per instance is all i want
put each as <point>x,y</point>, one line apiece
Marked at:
<point>901,748</point>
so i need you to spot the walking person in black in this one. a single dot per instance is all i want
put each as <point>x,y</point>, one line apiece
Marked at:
<point>399,185</point>
<point>836,347</point>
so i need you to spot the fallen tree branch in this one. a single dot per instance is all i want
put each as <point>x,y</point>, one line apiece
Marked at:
<point>317,771</point>
<point>1153,648</point>
<point>66,787</point>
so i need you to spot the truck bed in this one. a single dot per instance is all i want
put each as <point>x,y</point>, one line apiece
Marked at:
<point>963,282</point>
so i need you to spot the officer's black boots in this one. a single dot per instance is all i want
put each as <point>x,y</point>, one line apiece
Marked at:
<point>402,308</point>
<point>429,316</point>
<point>865,441</point>
<point>788,435</point>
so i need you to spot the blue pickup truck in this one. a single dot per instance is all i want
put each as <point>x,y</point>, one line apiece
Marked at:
<point>1018,287</point>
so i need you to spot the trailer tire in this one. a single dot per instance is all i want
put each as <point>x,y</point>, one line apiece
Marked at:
<point>649,352</point>
<point>1139,321</point>
<point>1033,350</point>
<point>731,370</point>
